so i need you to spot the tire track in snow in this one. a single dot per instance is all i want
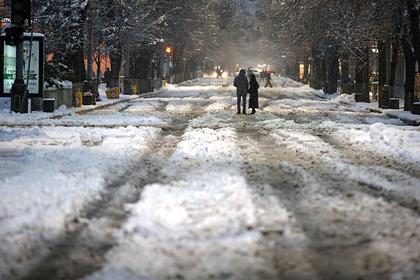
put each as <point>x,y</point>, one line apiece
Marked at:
<point>342,220</point>
<point>207,223</point>
<point>394,179</point>
<point>288,247</point>
<point>83,246</point>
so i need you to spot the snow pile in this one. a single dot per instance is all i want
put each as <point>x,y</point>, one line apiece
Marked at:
<point>285,82</point>
<point>146,106</point>
<point>301,105</point>
<point>208,147</point>
<point>403,143</point>
<point>97,119</point>
<point>198,208</point>
<point>180,106</point>
<point>48,175</point>
<point>323,95</point>
<point>379,138</point>
<point>220,104</point>
<point>404,115</point>
<point>4,105</point>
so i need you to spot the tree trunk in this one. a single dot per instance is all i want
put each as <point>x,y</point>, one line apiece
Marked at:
<point>115,58</point>
<point>345,78</point>
<point>394,62</point>
<point>306,70</point>
<point>410,76</point>
<point>414,27</point>
<point>332,71</point>
<point>98,72</point>
<point>77,63</point>
<point>323,73</point>
<point>362,79</point>
<point>382,70</point>
<point>296,71</point>
<point>318,73</point>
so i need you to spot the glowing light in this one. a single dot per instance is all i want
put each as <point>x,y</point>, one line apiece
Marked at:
<point>168,50</point>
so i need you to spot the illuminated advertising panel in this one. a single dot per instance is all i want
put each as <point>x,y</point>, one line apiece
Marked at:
<point>32,64</point>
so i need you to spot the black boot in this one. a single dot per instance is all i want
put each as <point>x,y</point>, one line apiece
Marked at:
<point>244,112</point>
<point>253,111</point>
<point>239,111</point>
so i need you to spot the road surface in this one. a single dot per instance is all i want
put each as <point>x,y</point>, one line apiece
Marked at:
<point>305,189</point>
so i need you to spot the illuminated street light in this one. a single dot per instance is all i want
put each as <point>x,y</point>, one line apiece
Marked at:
<point>168,50</point>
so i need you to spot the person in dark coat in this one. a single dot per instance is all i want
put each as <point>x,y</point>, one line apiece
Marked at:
<point>268,79</point>
<point>241,84</point>
<point>253,91</point>
<point>108,78</point>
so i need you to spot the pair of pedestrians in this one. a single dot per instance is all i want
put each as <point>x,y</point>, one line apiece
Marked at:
<point>242,90</point>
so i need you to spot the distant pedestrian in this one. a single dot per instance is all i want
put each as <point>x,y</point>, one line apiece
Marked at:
<point>268,79</point>
<point>262,75</point>
<point>241,84</point>
<point>253,93</point>
<point>108,78</point>
<point>219,71</point>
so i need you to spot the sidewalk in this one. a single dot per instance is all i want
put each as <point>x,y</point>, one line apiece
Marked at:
<point>406,117</point>
<point>348,100</point>
<point>15,119</point>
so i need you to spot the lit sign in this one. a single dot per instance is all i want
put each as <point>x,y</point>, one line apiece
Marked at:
<point>32,64</point>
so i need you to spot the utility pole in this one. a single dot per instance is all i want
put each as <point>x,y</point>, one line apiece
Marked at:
<point>21,16</point>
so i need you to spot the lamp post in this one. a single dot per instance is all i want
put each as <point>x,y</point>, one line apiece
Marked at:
<point>89,50</point>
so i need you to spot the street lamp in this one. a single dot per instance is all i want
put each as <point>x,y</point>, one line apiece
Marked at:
<point>169,51</point>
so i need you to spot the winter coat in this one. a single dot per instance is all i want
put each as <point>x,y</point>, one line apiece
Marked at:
<point>241,84</point>
<point>253,91</point>
<point>107,78</point>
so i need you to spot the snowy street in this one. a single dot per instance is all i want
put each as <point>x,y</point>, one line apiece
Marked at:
<point>176,185</point>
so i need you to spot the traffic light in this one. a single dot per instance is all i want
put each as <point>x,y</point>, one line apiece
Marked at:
<point>21,12</point>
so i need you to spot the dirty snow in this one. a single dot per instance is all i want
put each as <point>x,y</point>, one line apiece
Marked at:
<point>47,177</point>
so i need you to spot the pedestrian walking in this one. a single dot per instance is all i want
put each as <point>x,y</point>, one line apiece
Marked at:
<point>268,79</point>
<point>253,93</point>
<point>241,84</point>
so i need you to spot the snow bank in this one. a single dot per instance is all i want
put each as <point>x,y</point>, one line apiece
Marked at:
<point>400,142</point>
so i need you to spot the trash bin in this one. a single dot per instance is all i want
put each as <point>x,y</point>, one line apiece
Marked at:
<point>113,93</point>
<point>48,105</point>
<point>394,103</point>
<point>88,99</point>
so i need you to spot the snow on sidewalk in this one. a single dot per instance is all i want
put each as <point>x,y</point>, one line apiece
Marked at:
<point>47,177</point>
<point>349,102</point>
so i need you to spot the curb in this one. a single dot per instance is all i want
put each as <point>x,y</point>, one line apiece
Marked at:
<point>395,116</point>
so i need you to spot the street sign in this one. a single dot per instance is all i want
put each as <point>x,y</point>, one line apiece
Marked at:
<point>34,59</point>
